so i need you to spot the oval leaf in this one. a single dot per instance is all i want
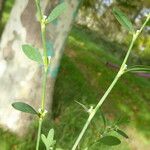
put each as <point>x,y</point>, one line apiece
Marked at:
<point>32,53</point>
<point>123,20</point>
<point>122,133</point>
<point>23,107</point>
<point>56,12</point>
<point>110,140</point>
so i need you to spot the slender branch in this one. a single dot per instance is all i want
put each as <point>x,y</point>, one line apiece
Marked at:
<point>129,51</point>
<point>135,36</point>
<point>42,21</point>
<point>94,112</point>
<point>39,11</point>
<point>43,30</point>
<point>43,91</point>
<point>119,74</point>
<point>144,24</point>
<point>39,134</point>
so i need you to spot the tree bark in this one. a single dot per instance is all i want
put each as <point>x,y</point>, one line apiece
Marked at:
<point>20,78</point>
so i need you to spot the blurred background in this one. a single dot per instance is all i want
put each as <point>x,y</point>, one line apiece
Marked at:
<point>95,47</point>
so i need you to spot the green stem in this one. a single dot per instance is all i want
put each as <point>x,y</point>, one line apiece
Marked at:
<point>135,36</point>
<point>121,71</point>
<point>45,61</point>
<point>43,30</point>
<point>39,134</point>
<point>94,112</point>
<point>43,85</point>
<point>43,91</point>
<point>39,11</point>
<point>129,50</point>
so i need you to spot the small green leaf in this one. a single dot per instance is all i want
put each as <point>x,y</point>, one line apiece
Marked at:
<point>24,108</point>
<point>82,105</point>
<point>56,12</point>
<point>138,68</point>
<point>123,20</point>
<point>45,141</point>
<point>110,140</point>
<point>49,140</point>
<point>50,136</point>
<point>122,133</point>
<point>50,48</point>
<point>32,53</point>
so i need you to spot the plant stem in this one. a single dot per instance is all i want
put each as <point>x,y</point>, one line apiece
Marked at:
<point>43,86</point>
<point>43,30</point>
<point>43,91</point>
<point>42,18</point>
<point>39,12</point>
<point>92,114</point>
<point>135,36</point>
<point>39,133</point>
<point>119,74</point>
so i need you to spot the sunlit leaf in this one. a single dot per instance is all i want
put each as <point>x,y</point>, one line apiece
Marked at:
<point>110,140</point>
<point>56,12</point>
<point>49,140</point>
<point>32,53</point>
<point>45,141</point>
<point>23,107</point>
<point>123,20</point>
<point>50,136</point>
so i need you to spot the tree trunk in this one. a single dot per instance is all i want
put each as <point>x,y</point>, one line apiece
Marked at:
<point>20,78</point>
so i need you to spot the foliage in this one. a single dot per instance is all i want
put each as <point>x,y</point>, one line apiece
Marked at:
<point>48,141</point>
<point>109,139</point>
<point>74,80</point>
<point>32,53</point>
<point>123,20</point>
<point>23,107</point>
<point>35,55</point>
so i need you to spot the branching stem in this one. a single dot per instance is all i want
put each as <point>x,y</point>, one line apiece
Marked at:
<point>119,74</point>
<point>42,21</point>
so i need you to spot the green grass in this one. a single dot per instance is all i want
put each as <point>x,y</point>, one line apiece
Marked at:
<point>129,97</point>
<point>84,76</point>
